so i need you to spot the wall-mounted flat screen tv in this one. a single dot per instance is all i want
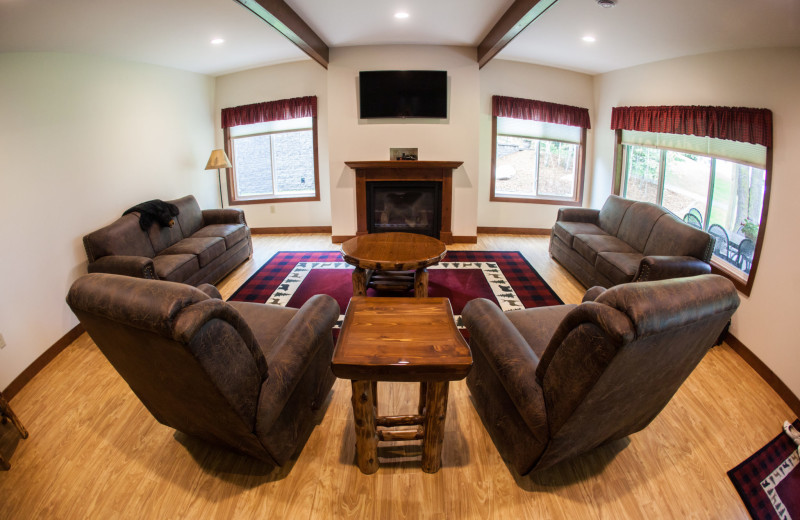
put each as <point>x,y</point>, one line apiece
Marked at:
<point>402,93</point>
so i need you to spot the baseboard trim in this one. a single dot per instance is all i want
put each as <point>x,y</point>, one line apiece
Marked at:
<point>765,372</point>
<point>338,239</point>
<point>465,239</point>
<point>288,230</point>
<point>41,362</point>
<point>513,231</point>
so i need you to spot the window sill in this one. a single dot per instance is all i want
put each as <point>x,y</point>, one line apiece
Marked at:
<point>741,280</point>
<point>274,199</point>
<point>535,200</point>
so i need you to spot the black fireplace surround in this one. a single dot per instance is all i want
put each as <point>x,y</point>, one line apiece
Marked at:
<point>406,206</point>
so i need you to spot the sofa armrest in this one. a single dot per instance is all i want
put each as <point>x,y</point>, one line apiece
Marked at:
<point>591,216</point>
<point>666,267</point>
<point>592,294</point>
<point>136,266</point>
<point>223,216</point>
<point>210,291</point>
<point>292,351</point>
<point>509,356</point>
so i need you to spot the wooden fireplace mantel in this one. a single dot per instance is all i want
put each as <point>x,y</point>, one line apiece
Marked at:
<point>386,171</point>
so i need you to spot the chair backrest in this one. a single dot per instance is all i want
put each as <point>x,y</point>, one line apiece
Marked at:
<point>614,363</point>
<point>191,359</point>
<point>721,236</point>
<point>696,213</point>
<point>693,220</point>
<point>747,249</point>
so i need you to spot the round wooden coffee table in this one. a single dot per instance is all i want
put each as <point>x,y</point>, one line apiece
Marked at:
<point>383,261</point>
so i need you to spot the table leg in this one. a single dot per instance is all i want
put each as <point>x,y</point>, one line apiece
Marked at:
<point>435,413</point>
<point>359,282</point>
<point>423,393</point>
<point>421,283</point>
<point>6,411</point>
<point>366,429</point>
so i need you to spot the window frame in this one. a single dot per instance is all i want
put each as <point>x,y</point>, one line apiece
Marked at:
<point>719,267</point>
<point>233,199</point>
<point>580,168</point>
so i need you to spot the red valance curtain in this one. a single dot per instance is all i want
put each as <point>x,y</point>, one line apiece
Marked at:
<point>748,125</point>
<point>269,111</point>
<point>520,108</point>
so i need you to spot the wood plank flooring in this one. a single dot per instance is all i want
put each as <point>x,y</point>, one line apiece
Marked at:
<point>95,452</point>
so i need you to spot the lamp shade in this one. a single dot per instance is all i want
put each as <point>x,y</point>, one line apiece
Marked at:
<point>218,159</point>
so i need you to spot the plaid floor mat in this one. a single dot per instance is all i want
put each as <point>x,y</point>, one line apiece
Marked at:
<point>769,481</point>
<point>510,279</point>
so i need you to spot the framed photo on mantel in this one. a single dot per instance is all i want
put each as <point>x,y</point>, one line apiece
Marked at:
<point>403,154</point>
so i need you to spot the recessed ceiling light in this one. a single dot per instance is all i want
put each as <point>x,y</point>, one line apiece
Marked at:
<point>589,39</point>
<point>217,41</point>
<point>401,15</point>
<point>607,3</point>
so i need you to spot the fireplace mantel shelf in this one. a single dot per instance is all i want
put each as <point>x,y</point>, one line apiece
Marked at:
<point>387,171</point>
<point>404,164</point>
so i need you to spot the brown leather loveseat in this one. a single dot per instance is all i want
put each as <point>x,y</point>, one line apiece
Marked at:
<point>202,246</point>
<point>551,383</point>
<point>628,241</point>
<point>246,376</point>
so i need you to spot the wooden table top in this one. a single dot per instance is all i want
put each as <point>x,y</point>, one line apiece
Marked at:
<point>393,251</point>
<point>400,339</point>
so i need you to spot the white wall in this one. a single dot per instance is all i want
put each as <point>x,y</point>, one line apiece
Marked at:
<point>296,79</point>
<point>82,140</point>
<point>454,139</point>
<point>769,78</point>
<point>515,79</point>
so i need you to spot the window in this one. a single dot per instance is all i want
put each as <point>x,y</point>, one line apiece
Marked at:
<point>719,185</point>
<point>272,147</point>
<point>537,158</point>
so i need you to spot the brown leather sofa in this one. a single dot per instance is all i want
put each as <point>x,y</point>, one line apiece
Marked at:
<point>551,383</point>
<point>628,241</point>
<point>201,247</point>
<point>246,376</point>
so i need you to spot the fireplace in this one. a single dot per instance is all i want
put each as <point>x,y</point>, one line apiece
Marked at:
<point>407,206</point>
<point>392,174</point>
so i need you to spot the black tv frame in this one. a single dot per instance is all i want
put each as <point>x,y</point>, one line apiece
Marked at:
<point>388,94</point>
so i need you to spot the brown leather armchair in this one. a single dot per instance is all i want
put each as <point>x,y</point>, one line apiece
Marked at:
<point>551,383</point>
<point>246,376</point>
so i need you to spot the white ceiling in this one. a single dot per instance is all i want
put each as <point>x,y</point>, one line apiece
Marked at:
<point>177,33</point>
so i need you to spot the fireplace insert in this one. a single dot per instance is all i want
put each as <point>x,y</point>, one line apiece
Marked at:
<point>407,206</point>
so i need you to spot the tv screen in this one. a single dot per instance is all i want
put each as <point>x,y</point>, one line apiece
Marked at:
<point>403,93</point>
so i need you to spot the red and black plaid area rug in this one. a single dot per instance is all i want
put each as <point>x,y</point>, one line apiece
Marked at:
<point>290,278</point>
<point>769,480</point>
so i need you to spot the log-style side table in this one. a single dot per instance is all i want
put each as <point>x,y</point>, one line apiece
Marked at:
<point>400,339</point>
<point>382,260</point>
<point>8,414</point>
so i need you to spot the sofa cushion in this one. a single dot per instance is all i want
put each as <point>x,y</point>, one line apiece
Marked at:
<point>122,237</point>
<point>566,231</point>
<point>612,212</point>
<point>265,320</point>
<point>206,248</point>
<point>588,246</point>
<point>190,217</point>
<point>176,268</point>
<point>637,224</point>
<point>232,233</point>
<point>673,237</point>
<point>618,267</point>
<point>164,237</point>
<point>538,324</point>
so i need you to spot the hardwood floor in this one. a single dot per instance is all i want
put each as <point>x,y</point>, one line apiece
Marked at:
<point>95,452</point>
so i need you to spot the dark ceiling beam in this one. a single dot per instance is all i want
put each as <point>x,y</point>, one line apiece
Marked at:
<point>288,23</point>
<point>516,18</point>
